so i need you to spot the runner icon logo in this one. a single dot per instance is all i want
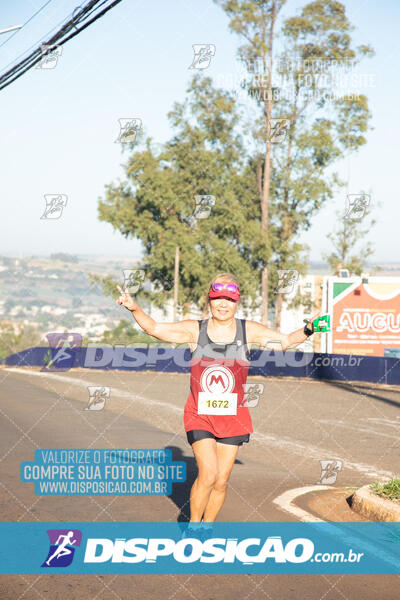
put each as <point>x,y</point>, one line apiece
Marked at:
<point>62,547</point>
<point>251,394</point>
<point>203,54</point>
<point>128,130</point>
<point>204,203</point>
<point>329,471</point>
<point>97,397</point>
<point>61,354</point>
<point>356,206</point>
<point>133,279</point>
<point>277,129</point>
<point>287,281</point>
<point>55,203</point>
<point>50,55</point>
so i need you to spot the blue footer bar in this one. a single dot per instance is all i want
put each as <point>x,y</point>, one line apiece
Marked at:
<point>220,548</point>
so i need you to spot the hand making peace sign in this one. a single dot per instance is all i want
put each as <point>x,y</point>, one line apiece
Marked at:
<point>126,299</point>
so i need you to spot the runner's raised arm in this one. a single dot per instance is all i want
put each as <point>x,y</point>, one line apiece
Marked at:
<point>268,338</point>
<point>179,332</point>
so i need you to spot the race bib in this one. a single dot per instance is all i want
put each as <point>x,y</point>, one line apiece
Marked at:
<point>217,403</point>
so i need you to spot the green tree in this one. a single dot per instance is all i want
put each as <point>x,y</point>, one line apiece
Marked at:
<point>350,249</point>
<point>290,86</point>
<point>156,203</point>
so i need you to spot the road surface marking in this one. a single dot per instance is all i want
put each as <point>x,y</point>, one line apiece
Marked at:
<point>285,502</point>
<point>294,447</point>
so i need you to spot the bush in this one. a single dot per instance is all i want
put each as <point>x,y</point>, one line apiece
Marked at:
<point>11,342</point>
<point>390,490</point>
<point>125,333</point>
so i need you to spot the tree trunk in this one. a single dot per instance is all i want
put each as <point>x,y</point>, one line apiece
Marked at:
<point>278,310</point>
<point>287,227</point>
<point>176,283</point>
<point>267,165</point>
<point>264,295</point>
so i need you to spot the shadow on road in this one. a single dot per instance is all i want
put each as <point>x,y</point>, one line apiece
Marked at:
<point>361,389</point>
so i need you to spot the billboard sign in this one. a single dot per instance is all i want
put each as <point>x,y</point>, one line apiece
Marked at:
<point>365,315</point>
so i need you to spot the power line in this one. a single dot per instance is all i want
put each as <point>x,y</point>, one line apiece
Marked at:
<point>26,22</point>
<point>65,20</point>
<point>58,39</point>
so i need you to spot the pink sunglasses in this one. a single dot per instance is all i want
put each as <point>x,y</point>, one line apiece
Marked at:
<point>231,287</point>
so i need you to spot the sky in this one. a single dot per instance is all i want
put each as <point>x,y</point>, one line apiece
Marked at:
<point>59,126</point>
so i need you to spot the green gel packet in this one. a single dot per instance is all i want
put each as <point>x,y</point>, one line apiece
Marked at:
<point>322,324</point>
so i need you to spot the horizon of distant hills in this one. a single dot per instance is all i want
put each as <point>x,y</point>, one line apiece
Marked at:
<point>313,265</point>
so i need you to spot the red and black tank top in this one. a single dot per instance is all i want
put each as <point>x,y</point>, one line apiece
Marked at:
<point>218,373</point>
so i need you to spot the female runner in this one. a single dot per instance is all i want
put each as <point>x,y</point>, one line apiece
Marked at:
<point>216,419</point>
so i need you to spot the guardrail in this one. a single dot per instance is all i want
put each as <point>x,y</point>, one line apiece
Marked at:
<point>342,367</point>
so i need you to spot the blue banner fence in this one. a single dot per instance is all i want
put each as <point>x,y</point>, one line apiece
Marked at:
<point>338,367</point>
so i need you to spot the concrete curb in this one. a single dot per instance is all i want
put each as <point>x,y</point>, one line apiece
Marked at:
<point>373,507</point>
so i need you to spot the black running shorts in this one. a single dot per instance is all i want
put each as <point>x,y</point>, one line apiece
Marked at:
<point>199,434</point>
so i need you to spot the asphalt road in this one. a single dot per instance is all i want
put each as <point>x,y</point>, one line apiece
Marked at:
<point>297,423</point>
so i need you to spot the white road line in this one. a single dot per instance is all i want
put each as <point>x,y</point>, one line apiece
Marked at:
<point>294,447</point>
<point>386,422</point>
<point>84,383</point>
<point>318,453</point>
<point>338,531</point>
<point>354,427</point>
<point>285,503</point>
